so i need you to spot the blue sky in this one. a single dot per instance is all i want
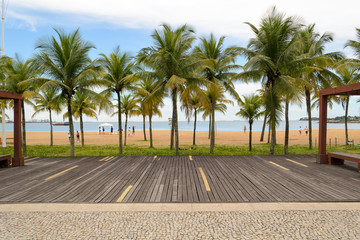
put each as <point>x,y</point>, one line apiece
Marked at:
<point>109,23</point>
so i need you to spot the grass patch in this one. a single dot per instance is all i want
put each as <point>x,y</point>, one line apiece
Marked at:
<point>133,150</point>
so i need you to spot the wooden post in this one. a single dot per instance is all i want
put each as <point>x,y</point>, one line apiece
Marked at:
<point>18,159</point>
<point>329,142</point>
<point>335,142</point>
<point>322,156</point>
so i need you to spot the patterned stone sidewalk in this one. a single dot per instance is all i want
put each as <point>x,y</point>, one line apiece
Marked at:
<point>282,224</point>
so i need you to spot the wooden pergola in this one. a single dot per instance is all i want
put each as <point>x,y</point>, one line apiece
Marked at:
<point>353,89</point>
<point>18,159</point>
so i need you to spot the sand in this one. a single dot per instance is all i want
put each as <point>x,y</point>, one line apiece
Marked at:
<point>162,138</point>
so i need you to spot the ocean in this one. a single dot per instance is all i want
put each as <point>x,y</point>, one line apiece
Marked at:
<point>235,125</point>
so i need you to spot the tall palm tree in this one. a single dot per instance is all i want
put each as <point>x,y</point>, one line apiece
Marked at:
<point>128,106</point>
<point>49,100</point>
<point>65,61</point>
<point>18,73</point>
<point>173,64</point>
<point>151,101</point>
<point>270,54</point>
<point>219,67</point>
<point>347,73</point>
<point>314,62</point>
<point>117,77</point>
<point>250,110</point>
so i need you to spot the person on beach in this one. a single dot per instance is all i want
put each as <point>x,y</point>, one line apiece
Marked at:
<point>306,130</point>
<point>77,136</point>
<point>103,130</point>
<point>99,130</point>
<point>133,128</point>
<point>244,128</point>
<point>129,132</point>
<point>69,136</point>
<point>300,130</point>
<point>111,130</point>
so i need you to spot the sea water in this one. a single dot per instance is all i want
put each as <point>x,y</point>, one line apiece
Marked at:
<point>235,125</point>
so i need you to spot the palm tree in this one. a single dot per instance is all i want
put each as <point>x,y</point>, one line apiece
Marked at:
<point>67,66</point>
<point>347,73</point>
<point>173,64</point>
<point>251,110</point>
<point>49,100</point>
<point>151,101</point>
<point>192,103</point>
<point>217,93</point>
<point>117,77</point>
<point>270,55</point>
<point>85,102</point>
<point>355,45</point>
<point>313,70</point>
<point>18,73</point>
<point>128,106</point>
<point>219,70</point>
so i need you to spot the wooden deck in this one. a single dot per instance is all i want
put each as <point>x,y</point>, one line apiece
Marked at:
<point>168,179</point>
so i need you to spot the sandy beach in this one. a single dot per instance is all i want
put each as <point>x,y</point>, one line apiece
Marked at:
<point>162,137</point>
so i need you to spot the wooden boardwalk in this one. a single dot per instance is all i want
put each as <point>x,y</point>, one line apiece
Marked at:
<point>184,179</point>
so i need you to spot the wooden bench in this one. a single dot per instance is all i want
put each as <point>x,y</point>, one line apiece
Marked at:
<point>337,158</point>
<point>5,160</point>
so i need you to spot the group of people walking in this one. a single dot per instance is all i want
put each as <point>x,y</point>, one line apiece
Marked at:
<point>306,130</point>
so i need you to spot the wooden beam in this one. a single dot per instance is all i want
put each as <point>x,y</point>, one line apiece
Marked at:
<point>322,157</point>
<point>352,89</point>
<point>18,159</point>
<point>9,95</point>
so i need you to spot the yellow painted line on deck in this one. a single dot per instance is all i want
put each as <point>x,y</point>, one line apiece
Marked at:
<point>155,157</point>
<point>123,195</point>
<point>190,157</point>
<point>207,187</point>
<point>109,158</point>
<point>103,159</point>
<point>296,162</point>
<point>55,175</point>
<point>29,159</point>
<point>278,165</point>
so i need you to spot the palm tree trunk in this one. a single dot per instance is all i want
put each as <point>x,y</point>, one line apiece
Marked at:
<point>263,129</point>
<point>71,127</point>
<point>126,119</point>
<point>51,130</point>
<point>273,137</point>
<point>346,119</point>
<point>23,128</point>
<point>82,129</point>
<point>250,135</point>
<point>269,133</point>
<point>119,123</point>
<point>175,122</point>
<point>212,136</point>
<point>194,128</point>
<point>144,127</point>
<point>150,129</point>
<point>286,147</point>
<point>172,127</point>
<point>308,108</point>
<point>209,126</point>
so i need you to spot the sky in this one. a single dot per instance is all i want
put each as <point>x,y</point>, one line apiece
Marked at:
<point>129,24</point>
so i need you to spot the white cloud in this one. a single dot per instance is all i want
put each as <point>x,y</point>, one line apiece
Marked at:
<point>226,17</point>
<point>27,20</point>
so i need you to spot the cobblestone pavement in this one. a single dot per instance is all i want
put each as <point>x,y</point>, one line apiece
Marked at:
<point>181,225</point>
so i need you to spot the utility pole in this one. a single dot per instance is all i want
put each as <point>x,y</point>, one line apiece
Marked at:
<point>3,127</point>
